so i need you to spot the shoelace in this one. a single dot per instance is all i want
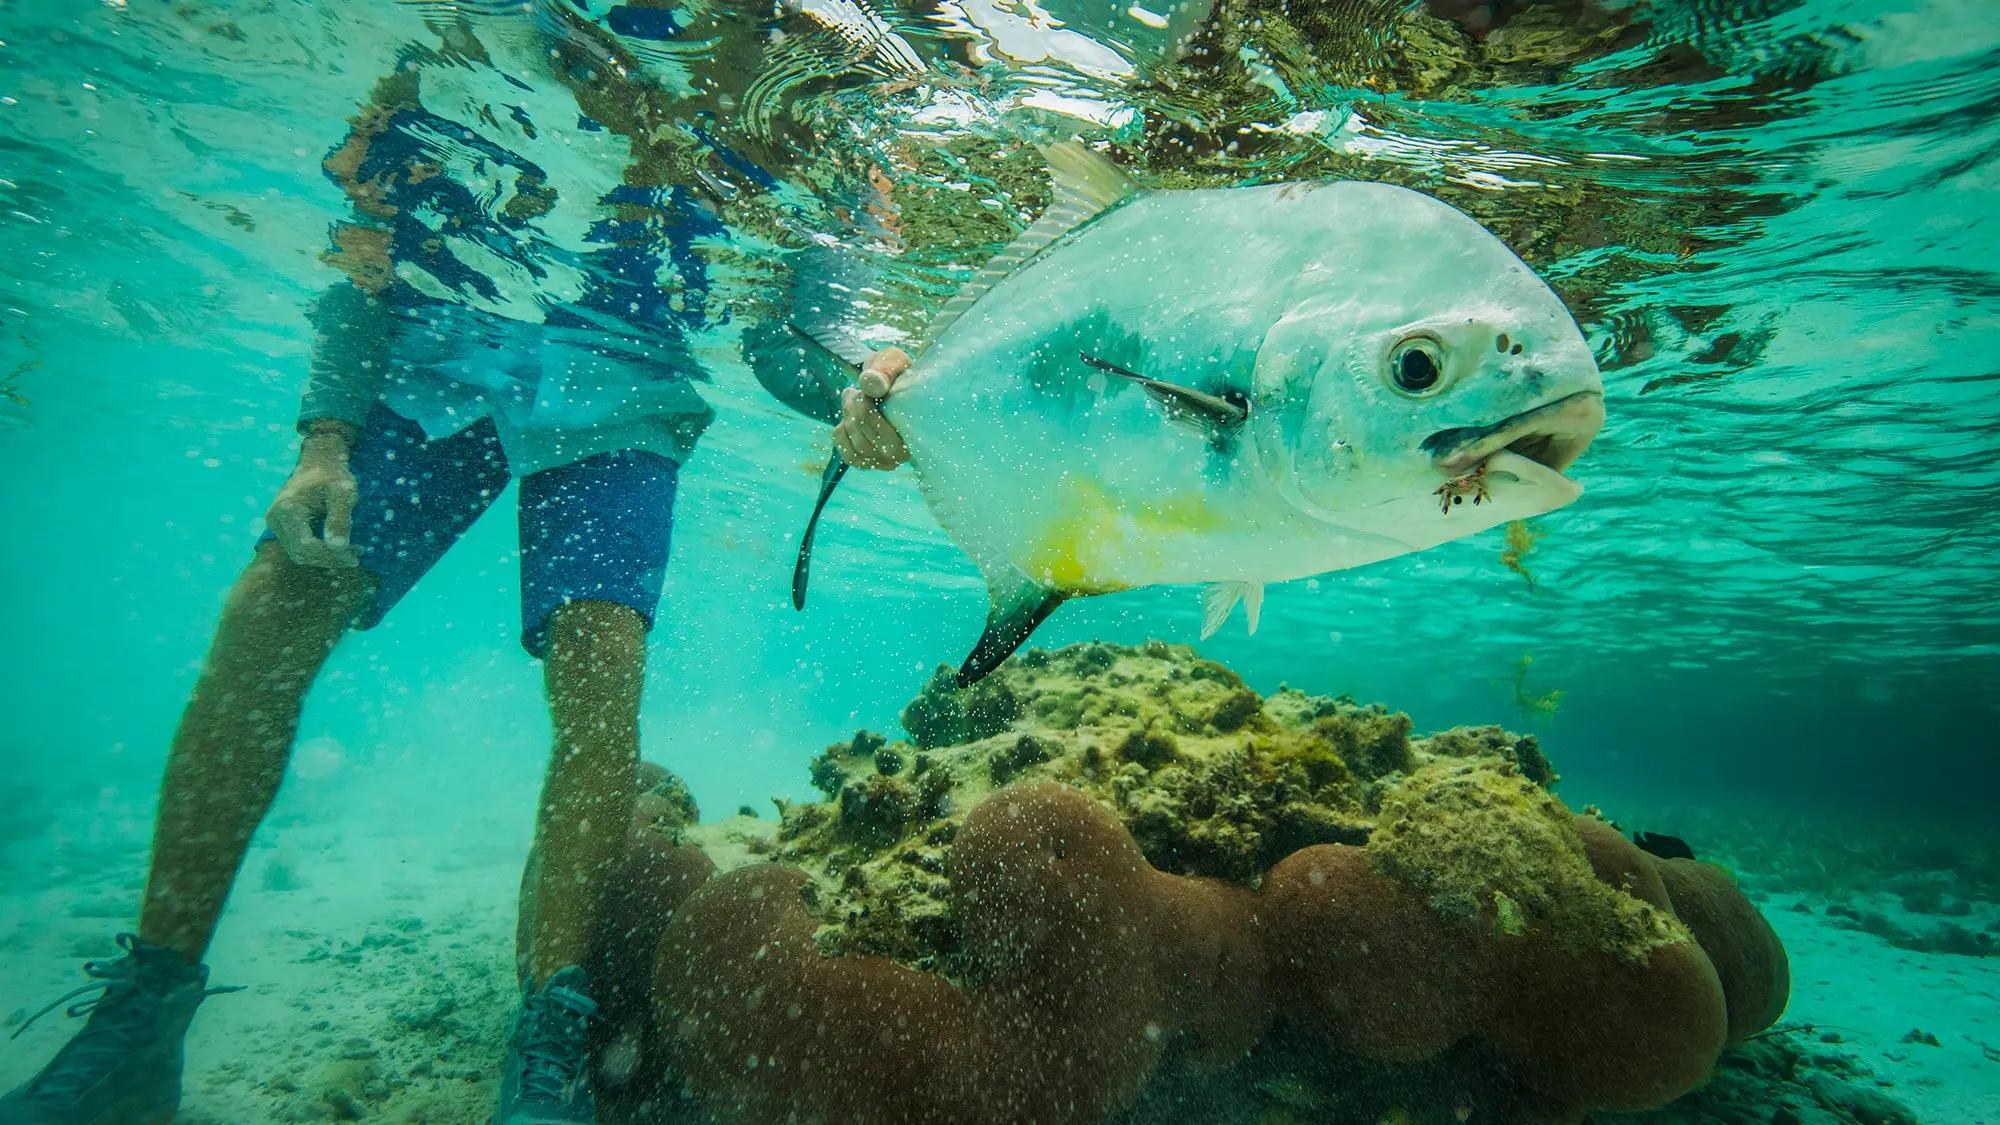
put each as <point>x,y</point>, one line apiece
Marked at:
<point>552,1049</point>
<point>121,1028</point>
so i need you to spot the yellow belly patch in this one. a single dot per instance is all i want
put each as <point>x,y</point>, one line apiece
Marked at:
<point>1089,531</point>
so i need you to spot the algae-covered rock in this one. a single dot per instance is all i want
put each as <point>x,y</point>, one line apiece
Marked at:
<point>1485,845</point>
<point>829,776</point>
<point>665,800</point>
<point>1211,778</point>
<point>1491,742</point>
<point>945,714</point>
<point>1377,926</point>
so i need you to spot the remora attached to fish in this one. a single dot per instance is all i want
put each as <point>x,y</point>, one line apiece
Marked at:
<point>1234,387</point>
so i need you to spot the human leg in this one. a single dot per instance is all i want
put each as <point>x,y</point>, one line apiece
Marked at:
<point>279,624</point>
<point>594,542</point>
<point>594,539</point>
<point>280,621</point>
<point>594,668</point>
<point>415,497</point>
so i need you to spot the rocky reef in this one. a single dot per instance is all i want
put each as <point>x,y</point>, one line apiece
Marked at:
<point>1116,884</point>
<point>1210,779</point>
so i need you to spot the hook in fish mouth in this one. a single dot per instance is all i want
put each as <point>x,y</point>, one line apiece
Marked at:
<point>1552,435</point>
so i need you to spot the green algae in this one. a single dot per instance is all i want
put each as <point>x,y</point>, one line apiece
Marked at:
<point>944,714</point>
<point>1541,705</point>
<point>1488,847</point>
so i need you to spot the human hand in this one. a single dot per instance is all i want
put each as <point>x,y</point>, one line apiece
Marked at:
<point>322,487</point>
<point>864,438</point>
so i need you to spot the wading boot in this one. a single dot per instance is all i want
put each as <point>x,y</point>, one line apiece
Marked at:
<point>124,1066</point>
<point>546,1079</point>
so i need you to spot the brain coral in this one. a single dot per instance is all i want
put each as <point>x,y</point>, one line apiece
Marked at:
<point>1087,964</point>
<point>1474,912</point>
<point>1749,958</point>
<point>1137,867</point>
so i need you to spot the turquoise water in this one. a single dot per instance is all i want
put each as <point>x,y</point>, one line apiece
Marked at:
<point>1772,618</point>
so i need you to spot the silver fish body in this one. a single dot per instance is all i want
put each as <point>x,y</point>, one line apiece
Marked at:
<point>1223,387</point>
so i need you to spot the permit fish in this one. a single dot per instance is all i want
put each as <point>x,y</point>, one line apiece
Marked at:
<point>1232,387</point>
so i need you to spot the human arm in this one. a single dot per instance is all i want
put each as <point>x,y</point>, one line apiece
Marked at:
<point>349,359</point>
<point>795,372</point>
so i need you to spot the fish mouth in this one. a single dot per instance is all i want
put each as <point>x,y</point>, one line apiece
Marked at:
<point>1552,435</point>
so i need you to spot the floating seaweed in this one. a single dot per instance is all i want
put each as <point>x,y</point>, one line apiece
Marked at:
<point>1522,535</point>
<point>1539,706</point>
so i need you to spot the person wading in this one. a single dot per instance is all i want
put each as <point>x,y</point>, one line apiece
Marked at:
<point>482,332</point>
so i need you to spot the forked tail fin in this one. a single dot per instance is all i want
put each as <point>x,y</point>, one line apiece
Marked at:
<point>828,481</point>
<point>802,570</point>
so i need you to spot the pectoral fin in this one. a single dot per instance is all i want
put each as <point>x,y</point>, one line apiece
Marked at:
<point>1019,604</point>
<point>1218,598</point>
<point>1214,412</point>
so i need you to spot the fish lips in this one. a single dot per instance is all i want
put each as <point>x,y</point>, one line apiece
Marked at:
<point>1552,435</point>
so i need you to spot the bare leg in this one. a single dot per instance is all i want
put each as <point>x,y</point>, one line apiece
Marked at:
<point>594,670</point>
<point>229,754</point>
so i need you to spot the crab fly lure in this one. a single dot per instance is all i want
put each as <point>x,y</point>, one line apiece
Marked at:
<point>1455,490</point>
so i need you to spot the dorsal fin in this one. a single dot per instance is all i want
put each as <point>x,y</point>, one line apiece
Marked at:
<point>847,353</point>
<point>1086,186</point>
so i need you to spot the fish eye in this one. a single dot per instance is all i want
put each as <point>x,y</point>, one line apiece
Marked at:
<point>1416,365</point>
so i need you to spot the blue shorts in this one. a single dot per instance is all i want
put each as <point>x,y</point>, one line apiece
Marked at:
<point>596,529</point>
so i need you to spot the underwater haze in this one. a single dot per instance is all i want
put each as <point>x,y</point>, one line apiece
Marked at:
<point>1770,626</point>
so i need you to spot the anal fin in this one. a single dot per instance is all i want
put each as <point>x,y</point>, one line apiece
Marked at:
<point>1018,605</point>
